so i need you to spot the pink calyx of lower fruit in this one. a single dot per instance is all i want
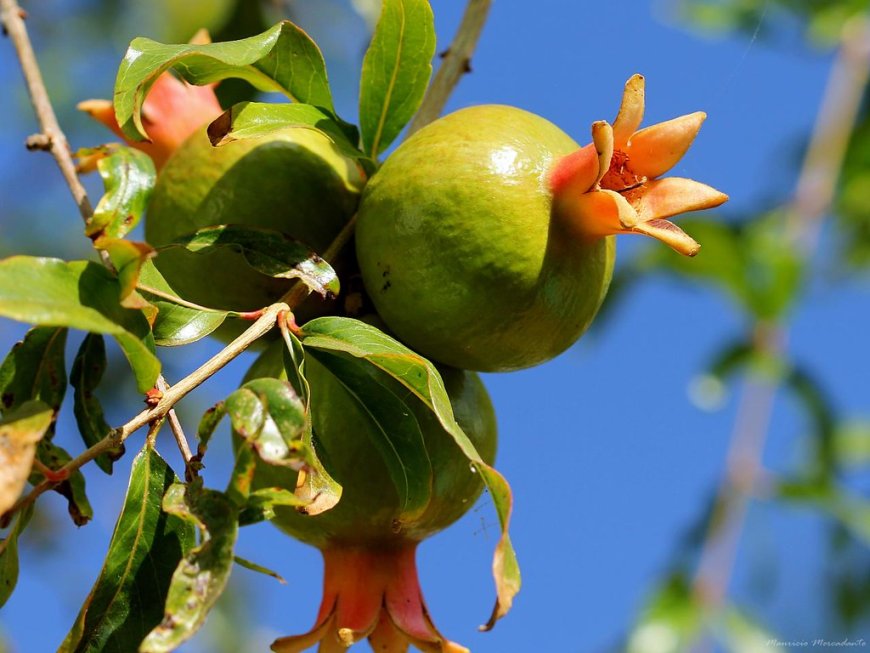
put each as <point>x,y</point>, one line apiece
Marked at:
<point>613,185</point>
<point>375,594</point>
<point>172,112</point>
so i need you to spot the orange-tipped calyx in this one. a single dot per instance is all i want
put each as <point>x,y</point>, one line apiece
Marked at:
<point>374,594</point>
<point>611,186</point>
<point>172,112</point>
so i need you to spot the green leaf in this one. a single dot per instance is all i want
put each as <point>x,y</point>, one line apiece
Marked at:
<point>261,504</point>
<point>399,439</point>
<point>268,414</point>
<point>294,366</point>
<point>269,252</point>
<point>81,295</point>
<point>9,555</point>
<point>128,176</point>
<point>282,59</point>
<point>71,488</point>
<point>207,426</point>
<point>395,71</point>
<point>176,324</point>
<point>256,119</point>
<point>202,574</point>
<point>127,599</point>
<point>357,339</point>
<point>746,259</point>
<point>35,368</point>
<point>87,372</point>
<point>270,417</point>
<point>20,431</point>
<point>260,569</point>
<point>852,443</point>
<point>851,511</point>
<point>670,622</point>
<point>741,634</point>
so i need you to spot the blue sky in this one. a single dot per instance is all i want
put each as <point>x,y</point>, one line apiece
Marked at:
<point>609,459</point>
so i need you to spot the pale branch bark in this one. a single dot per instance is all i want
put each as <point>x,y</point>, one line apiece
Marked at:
<point>170,397</point>
<point>455,63</point>
<point>175,426</point>
<point>52,137</point>
<point>813,196</point>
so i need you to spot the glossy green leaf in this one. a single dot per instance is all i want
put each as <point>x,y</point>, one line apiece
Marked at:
<point>260,569</point>
<point>201,576</point>
<point>87,372</point>
<point>72,488</point>
<point>256,119</point>
<point>9,555</point>
<point>176,324</point>
<point>128,177</point>
<point>294,366</point>
<point>282,59</point>
<point>345,336</point>
<point>261,504</point>
<point>398,440</point>
<point>127,599</point>
<point>395,71</point>
<point>20,431</point>
<point>269,252</point>
<point>268,414</point>
<point>80,295</point>
<point>35,368</point>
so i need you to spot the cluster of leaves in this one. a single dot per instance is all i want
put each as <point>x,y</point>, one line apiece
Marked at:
<point>822,20</point>
<point>173,546</point>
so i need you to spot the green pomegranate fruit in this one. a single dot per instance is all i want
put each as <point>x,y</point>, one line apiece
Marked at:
<point>294,180</point>
<point>370,580</point>
<point>484,239</point>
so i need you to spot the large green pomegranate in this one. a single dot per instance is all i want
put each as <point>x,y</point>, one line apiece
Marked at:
<point>294,180</point>
<point>458,250</point>
<point>484,239</point>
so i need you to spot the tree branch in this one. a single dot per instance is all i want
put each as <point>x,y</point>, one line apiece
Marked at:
<point>812,202</point>
<point>171,397</point>
<point>456,62</point>
<point>51,137</point>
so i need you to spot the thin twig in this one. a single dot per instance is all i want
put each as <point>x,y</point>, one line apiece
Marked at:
<point>812,201</point>
<point>455,63</point>
<point>171,397</point>
<point>52,137</point>
<point>175,426</point>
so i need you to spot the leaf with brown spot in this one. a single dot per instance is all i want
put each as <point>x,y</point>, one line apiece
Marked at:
<point>20,430</point>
